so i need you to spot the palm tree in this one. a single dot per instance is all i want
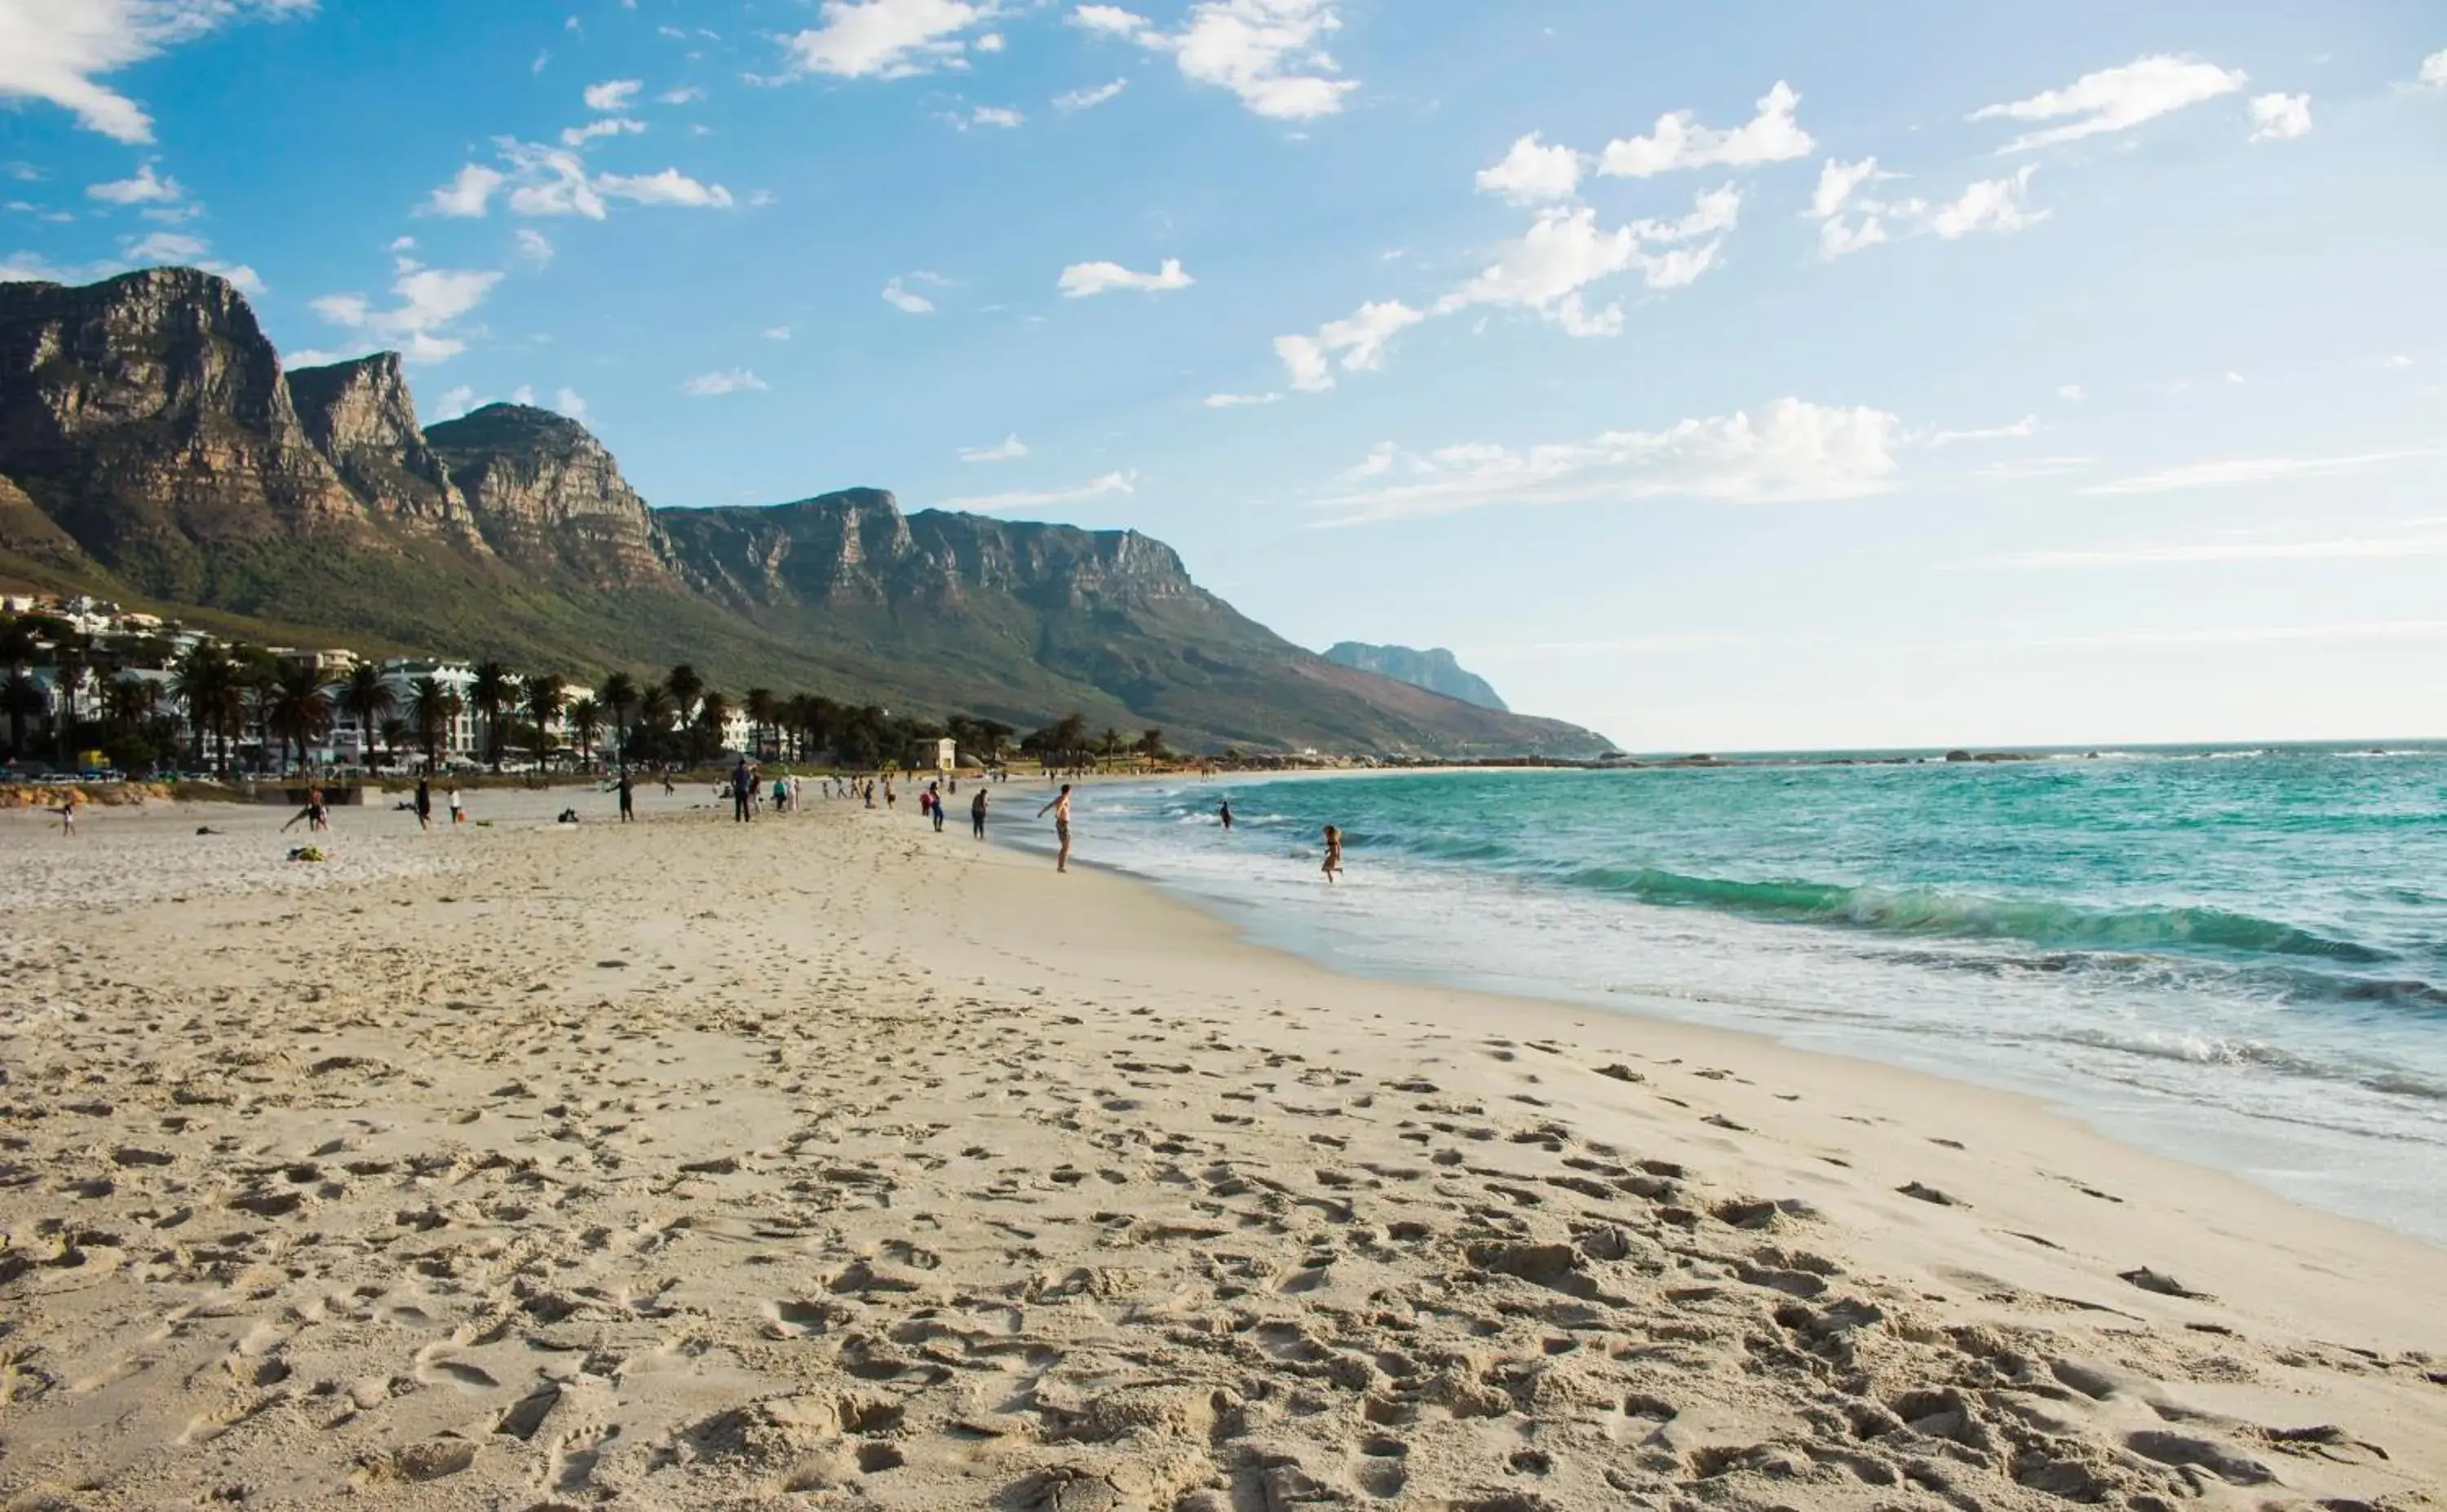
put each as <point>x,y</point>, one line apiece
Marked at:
<point>130,702</point>
<point>686,688</point>
<point>395,733</point>
<point>655,713</point>
<point>712,712</point>
<point>585,719</point>
<point>547,696</point>
<point>21,698</point>
<point>72,650</point>
<point>299,709</point>
<point>620,695</point>
<point>205,681</point>
<point>762,711</point>
<point>1150,744</point>
<point>491,691</point>
<point>431,707</point>
<point>368,699</point>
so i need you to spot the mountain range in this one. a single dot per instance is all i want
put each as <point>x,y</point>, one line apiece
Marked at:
<point>152,449</point>
<point>1435,671</point>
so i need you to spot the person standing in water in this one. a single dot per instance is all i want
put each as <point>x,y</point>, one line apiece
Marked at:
<point>1332,853</point>
<point>1060,808</point>
<point>1223,812</point>
<point>977,814</point>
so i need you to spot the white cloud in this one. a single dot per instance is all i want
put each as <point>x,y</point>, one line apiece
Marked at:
<point>56,50</point>
<point>2433,69</point>
<point>1269,52</point>
<point>1533,172</point>
<point>431,300</point>
<point>2398,362</point>
<point>2027,425</point>
<point>907,303</point>
<point>2279,117</point>
<point>1992,205</point>
<point>737,379</point>
<point>777,333</point>
<point>1011,448</point>
<point>1084,280</point>
<point>567,401</point>
<point>550,183</point>
<point>2028,469</point>
<point>1794,452</point>
<point>535,246</point>
<point>613,94</point>
<point>27,267</point>
<point>1112,20</point>
<point>168,246</point>
<point>2115,98</point>
<point>2233,379</point>
<point>1997,205</point>
<point>524,394</point>
<point>1357,342</point>
<point>1000,117</point>
<point>1076,100</point>
<point>668,187</point>
<point>607,126</point>
<point>2350,548</point>
<point>144,189</point>
<point>1836,181</point>
<point>885,39</point>
<point>2072,391</point>
<point>1379,461</point>
<point>1565,250</point>
<point>1112,482</point>
<point>1241,401</point>
<point>688,95</point>
<point>2250,470</point>
<point>456,401</point>
<point>468,194</point>
<point>399,244</point>
<point>1773,135</point>
<point>991,42</point>
<point>189,252</point>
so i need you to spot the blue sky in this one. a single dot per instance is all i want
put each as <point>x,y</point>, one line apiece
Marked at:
<point>1737,376</point>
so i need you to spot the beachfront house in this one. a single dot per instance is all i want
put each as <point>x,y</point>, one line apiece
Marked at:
<point>935,755</point>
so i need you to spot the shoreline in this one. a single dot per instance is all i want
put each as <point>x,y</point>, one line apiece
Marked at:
<point>710,1175</point>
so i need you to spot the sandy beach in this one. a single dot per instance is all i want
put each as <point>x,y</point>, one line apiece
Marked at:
<point>831,1162</point>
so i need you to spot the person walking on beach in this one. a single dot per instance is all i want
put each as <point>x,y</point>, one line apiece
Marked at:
<point>68,807</point>
<point>743,786</point>
<point>458,810</point>
<point>1332,853</point>
<point>1223,812</point>
<point>1060,807</point>
<point>668,788</point>
<point>977,814</point>
<point>423,804</point>
<point>628,791</point>
<point>936,794</point>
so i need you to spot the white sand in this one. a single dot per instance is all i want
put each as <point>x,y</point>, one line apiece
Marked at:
<point>829,1161</point>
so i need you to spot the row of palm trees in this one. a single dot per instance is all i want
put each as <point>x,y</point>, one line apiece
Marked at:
<point>236,696</point>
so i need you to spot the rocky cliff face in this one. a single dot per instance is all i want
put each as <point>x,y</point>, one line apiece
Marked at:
<point>1435,671</point>
<point>856,548</point>
<point>147,416</point>
<point>547,497</point>
<point>362,418</point>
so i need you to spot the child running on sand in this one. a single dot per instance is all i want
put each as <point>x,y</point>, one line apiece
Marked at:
<point>1332,853</point>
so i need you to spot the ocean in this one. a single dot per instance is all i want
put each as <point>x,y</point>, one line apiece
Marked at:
<point>2232,956</point>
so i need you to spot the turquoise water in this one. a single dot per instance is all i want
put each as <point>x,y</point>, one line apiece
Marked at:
<point>2235,956</point>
